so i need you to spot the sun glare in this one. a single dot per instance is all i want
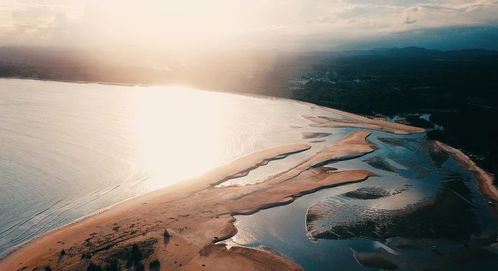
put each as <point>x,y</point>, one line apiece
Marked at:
<point>167,24</point>
<point>165,125</point>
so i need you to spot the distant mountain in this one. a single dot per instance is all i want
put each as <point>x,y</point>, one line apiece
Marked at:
<point>406,52</point>
<point>418,52</point>
<point>393,52</point>
<point>443,38</point>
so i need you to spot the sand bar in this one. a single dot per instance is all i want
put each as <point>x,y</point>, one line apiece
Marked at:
<point>193,215</point>
<point>353,120</point>
<point>485,179</point>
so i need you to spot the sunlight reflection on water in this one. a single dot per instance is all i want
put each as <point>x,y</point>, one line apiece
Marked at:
<point>180,132</point>
<point>68,150</point>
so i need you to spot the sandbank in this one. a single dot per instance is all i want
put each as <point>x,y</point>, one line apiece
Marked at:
<point>179,226</point>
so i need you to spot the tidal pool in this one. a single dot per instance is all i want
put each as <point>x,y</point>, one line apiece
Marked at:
<point>430,215</point>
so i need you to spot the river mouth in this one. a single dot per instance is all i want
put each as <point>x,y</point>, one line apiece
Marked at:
<point>70,150</point>
<point>94,146</point>
<point>421,212</point>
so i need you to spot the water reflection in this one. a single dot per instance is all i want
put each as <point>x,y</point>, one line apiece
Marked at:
<point>421,199</point>
<point>68,150</point>
<point>180,132</point>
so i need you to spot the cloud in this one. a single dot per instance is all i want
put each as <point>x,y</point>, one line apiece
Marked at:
<point>188,23</point>
<point>451,13</point>
<point>409,21</point>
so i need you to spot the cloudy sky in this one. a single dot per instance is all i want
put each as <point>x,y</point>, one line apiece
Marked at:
<point>229,23</point>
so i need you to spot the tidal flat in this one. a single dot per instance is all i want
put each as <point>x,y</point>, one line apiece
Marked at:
<point>368,194</point>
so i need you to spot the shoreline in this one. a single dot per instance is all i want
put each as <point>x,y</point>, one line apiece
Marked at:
<point>229,170</point>
<point>194,213</point>
<point>359,121</point>
<point>182,223</point>
<point>485,178</point>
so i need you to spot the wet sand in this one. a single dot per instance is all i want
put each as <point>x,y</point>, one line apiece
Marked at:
<point>311,135</point>
<point>486,179</point>
<point>353,120</point>
<point>179,225</point>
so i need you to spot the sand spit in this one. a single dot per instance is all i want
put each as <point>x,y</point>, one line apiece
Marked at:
<point>352,120</point>
<point>365,123</point>
<point>241,167</point>
<point>310,135</point>
<point>177,227</point>
<point>485,179</point>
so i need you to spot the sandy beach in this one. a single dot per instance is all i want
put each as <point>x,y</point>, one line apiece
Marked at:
<point>178,227</point>
<point>486,179</point>
<point>194,214</point>
<point>353,120</point>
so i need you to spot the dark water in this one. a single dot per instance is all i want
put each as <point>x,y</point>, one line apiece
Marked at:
<point>429,216</point>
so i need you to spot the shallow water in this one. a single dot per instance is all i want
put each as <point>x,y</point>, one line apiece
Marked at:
<point>68,150</point>
<point>460,215</point>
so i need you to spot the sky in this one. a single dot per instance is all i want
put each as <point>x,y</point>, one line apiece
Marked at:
<point>287,24</point>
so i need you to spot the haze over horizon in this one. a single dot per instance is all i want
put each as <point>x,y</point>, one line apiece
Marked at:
<point>295,25</point>
<point>248,135</point>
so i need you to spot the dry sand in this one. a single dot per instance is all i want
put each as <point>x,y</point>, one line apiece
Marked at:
<point>352,120</point>
<point>195,214</point>
<point>178,226</point>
